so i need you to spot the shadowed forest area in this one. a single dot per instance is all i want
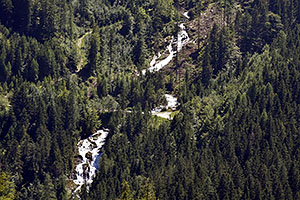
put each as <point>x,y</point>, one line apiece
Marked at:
<point>69,68</point>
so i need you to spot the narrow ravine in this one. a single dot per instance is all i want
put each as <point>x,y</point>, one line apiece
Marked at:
<point>156,64</point>
<point>89,149</point>
<point>89,154</point>
<point>175,45</point>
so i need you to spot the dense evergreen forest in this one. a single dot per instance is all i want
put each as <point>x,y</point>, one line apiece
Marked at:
<point>71,67</point>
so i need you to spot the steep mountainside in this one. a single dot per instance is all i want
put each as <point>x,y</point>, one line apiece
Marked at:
<point>152,99</point>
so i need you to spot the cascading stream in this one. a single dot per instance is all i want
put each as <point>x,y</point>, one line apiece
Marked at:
<point>156,65</point>
<point>89,153</point>
<point>173,47</point>
<point>89,149</point>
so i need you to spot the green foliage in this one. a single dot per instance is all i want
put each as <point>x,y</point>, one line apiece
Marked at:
<point>7,187</point>
<point>235,134</point>
<point>126,193</point>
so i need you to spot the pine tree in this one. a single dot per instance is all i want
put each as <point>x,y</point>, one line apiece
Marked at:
<point>126,193</point>
<point>7,187</point>
<point>49,190</point>
<point>6,10</point>
<point>207,71</point>
<point>93,56</point>
<point>147,191</point>
<point>33,71</point>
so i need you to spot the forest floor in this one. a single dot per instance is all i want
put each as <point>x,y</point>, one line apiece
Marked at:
<point>165,115</point>
<point>80,43</point>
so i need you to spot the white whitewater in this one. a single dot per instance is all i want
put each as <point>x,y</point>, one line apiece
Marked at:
<point>183,39</point>
<point>156,65</point>
<point>89,149</point>
<point>186,14</point>
<point>172,104</point>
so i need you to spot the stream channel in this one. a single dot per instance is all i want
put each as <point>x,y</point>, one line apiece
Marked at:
<point>89,149</point>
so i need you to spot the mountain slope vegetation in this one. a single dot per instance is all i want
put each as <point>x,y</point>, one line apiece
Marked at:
<point>70,68</point>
